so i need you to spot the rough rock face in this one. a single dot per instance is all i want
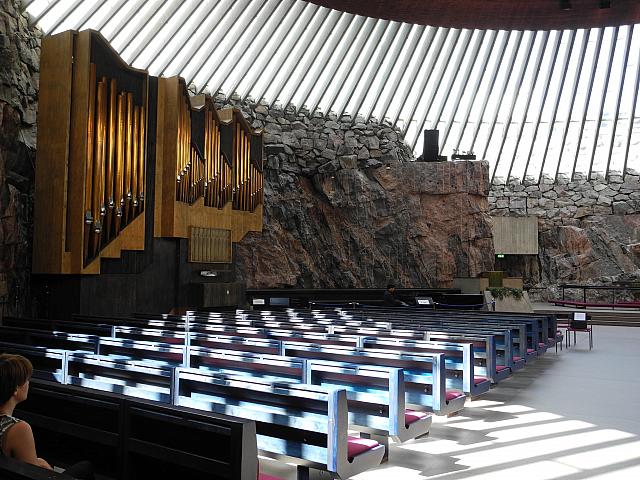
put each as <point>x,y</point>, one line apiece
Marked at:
<point>345,208</point>
<point>589,230</point>
<point>19,66</point>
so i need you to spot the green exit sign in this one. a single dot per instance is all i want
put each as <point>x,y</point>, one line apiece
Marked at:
<point>500,255</point>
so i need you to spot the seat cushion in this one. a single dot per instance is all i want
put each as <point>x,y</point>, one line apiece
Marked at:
<point>530,350</point>
<point>357,445</point>
<point>542,345</point>
<point>500,368</point>
<point>264,476</point>
<point>478,380</point>
<point>453,394</point>
<point>411,416</point>
<point>516,359</point>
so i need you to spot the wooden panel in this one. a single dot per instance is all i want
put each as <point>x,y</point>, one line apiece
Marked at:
<point>54,99</point>
<point>77,150</point>
<point>209,245</point>
<point>198,215</point>
<point>132,238</point>
<point>166,155</point>
<point>515,235</point>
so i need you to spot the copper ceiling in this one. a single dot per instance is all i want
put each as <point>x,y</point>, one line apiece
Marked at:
<point>496,14</point>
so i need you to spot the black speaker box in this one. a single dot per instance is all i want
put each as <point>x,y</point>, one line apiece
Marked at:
<point>431,146</point>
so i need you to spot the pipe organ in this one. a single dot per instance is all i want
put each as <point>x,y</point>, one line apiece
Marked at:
<point>114,165</point>
<point>219,170</point>
<point>247,159</point>
<point>109,134</point>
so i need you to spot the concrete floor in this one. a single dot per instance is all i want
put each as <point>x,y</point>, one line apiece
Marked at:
<point>573,415</point>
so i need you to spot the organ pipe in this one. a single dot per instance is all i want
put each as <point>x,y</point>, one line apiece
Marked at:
<point>114,168</point>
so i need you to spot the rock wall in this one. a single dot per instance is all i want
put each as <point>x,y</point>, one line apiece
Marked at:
<point>346,207</point>
<point>19,66</point>
<point>589,230</point>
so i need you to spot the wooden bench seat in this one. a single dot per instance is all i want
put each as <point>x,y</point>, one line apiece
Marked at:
<point>304,424</point>
<point>127,438</point>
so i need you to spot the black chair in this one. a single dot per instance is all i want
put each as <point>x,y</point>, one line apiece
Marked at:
<point>579,322</point>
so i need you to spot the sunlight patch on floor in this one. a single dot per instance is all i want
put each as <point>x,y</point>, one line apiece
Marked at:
<point>549,446</point>
<point>605,457</point>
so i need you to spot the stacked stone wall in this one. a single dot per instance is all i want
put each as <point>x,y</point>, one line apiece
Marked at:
<point>589,230</point>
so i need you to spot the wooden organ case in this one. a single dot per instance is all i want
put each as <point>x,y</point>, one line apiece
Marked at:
<point>91,156</point>
<point>209,164</point>
<point>127,163</point>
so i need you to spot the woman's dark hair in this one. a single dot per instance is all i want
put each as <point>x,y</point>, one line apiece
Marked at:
<point>390,286</point>
<point>15,370</point>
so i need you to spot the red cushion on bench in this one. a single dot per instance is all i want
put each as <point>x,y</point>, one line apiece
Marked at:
<point>411,417</point>
<point>530,350</point>
<point>542,345</point>
<point>356,446</point>
<point>264,476</point>
<point>477,380</point>
<point>452,394</point>
<point>500,368</point>
<point>516,359</point>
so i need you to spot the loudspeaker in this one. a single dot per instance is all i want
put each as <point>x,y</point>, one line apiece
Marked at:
<point>431,146</point>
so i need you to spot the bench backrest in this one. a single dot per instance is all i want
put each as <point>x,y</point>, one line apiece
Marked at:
<point>129,438</point>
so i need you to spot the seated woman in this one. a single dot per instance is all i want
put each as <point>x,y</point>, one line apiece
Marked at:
<point>16,437</point>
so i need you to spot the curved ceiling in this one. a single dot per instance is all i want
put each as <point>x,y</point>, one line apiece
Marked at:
<point>496,14</point>
<point>533,103</point>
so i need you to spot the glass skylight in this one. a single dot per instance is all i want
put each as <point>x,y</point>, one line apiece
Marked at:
<point>531,103</point>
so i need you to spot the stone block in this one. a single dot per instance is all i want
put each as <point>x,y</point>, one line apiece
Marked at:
<point>602,200</point>
<point>290,139</point>
<point>272,128</point>
<point>372,142</point>
<point>328,154</point>
<point>320,143</point>
<point>349,161</point>
<point>602,210</point>
<point>270,138</point>
<point>351,141</point>
<point>622,208</point>
<point>538,212</point>
<point>517,203</point>
<point>299,134</point>
<point>363,154</point>
<point>329,167</point>
<point>306,143</point>
<point>583,212</point>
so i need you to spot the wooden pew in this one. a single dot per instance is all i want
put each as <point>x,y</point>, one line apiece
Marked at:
<point>377,411</point>
<point>154,381</point>
<point>304,424</point>
<point>48,363</point>
<point>458,360</point>
<point>128,439</point>
<point>458,357</point>
<point>97,329</point>
<point>425,379</point>
<point>11,469</point>
<point>43,338</point>
<point>374,409</point>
